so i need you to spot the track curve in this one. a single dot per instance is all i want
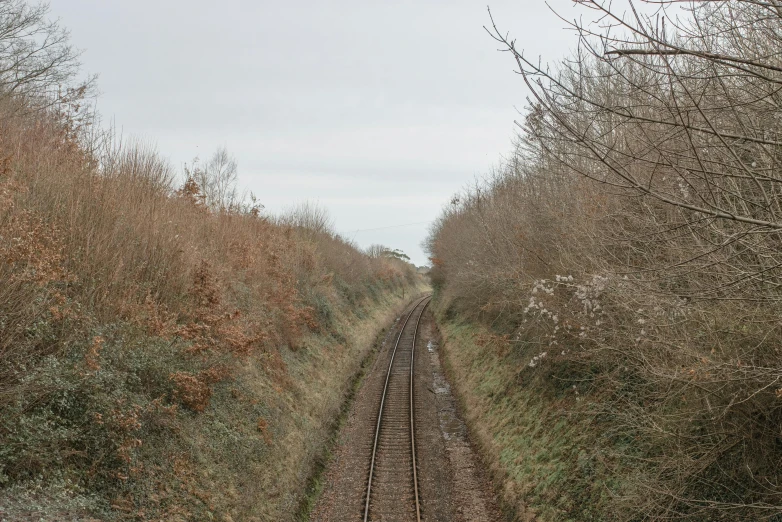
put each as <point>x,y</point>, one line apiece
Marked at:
<point>392,491</point>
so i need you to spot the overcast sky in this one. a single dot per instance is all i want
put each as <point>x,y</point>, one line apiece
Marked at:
<point>380,111</point>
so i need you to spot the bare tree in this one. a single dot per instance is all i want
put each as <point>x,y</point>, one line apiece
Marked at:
<point>376,251</point>
<point>648,181</point>
<point>36,57</point>
<point>217,180</point>
<point>689,118</point>
<point>309,216</point>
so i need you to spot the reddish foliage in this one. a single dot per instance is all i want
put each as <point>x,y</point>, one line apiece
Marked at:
<point>195,391</point>
<point>191,391</point>
<point>191,193</point>
<point>263,427</point>
<point>91,359</point>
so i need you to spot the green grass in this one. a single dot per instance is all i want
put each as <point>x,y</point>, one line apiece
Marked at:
<point>545,456</point>
<point>316,484</point>
<point>254,454</point>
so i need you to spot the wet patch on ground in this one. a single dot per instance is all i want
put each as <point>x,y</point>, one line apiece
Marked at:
<point>473,494</point>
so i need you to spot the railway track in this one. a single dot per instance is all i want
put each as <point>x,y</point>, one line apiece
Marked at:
<point>392,490</point>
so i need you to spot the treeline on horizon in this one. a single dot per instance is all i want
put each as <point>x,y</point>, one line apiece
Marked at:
<point>631,250</point>
<point>130,292</point>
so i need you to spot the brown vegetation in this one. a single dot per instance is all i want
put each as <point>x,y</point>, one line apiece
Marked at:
<point>629,255</point>
<point>128,304</point>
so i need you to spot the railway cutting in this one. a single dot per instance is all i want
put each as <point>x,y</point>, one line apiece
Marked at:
<point>395,459</point>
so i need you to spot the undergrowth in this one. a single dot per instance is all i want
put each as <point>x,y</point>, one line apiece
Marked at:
<point>158,341</point>
<point>625,264</point>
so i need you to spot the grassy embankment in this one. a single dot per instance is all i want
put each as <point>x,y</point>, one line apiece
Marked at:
<point>165,355</point>
<point>611,295</point>
<point>123,397</point>
<point>546,461</point>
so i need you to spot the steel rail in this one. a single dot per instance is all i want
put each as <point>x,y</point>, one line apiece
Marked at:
<point>380,412</point>
<point>412,419</point>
